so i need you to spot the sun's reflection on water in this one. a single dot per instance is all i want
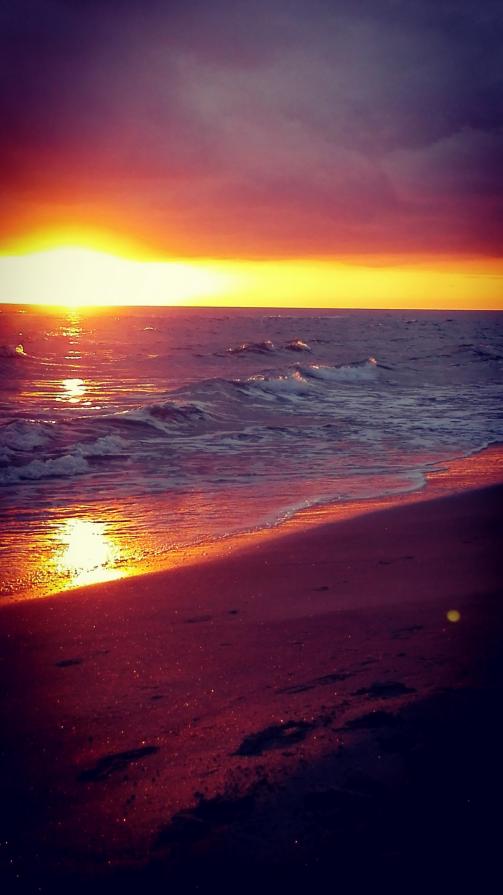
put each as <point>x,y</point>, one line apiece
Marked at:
<point>86,553</point>
<point>73,390</point>
<point>72,327</point>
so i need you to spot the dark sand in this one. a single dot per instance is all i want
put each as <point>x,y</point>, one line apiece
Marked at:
<point>299,711</point>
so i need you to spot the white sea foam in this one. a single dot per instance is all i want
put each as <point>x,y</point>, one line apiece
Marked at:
<point>12,351</point>
<point>105,446</point>
<point>291,385</point>
<point>297,345</point>
<point>347,373</point>
<point>252,347</point>
<point>54,467</point>
<point>166,416</point>
<point>301,381</point>
<point>25,435</point>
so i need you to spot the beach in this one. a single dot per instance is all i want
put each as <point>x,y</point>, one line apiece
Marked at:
<point>322,701</point>
<point>251,448</point>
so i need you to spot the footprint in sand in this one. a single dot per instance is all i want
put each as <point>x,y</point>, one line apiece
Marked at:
<point>277,736</point>
<point>372,721</point>
<point>191,826</point>
<point>385,690</point>
<point>116,761</point>
<point>324,681</point>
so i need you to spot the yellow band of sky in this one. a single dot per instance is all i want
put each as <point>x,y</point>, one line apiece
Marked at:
<point>82,276</point>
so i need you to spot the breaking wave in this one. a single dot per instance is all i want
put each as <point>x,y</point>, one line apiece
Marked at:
<point>223,409</point>
<point>12,351</point>
<point>267,346</point>
<point>297,345</point>
<point>53,467</point>
<point>252,348</point>
<point>364,371</point>
<point>106,446</point>
<point>166,416</point>
<point>304,380</point>
<point>24,435</point>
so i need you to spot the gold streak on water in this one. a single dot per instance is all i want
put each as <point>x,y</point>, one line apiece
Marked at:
<point>86,553</point>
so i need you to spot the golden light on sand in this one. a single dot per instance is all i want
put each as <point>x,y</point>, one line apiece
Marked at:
<point>86,553</point>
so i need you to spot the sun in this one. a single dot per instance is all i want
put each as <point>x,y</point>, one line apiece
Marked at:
<point>100,270</point>
<point>75,276</point>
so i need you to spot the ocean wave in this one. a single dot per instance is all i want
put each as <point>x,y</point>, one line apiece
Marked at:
<point>12,351</point>
<point>217,407</point>
<point>25,435</point>
<point>363,370</point>
<point>297,345</point>
<point>106,446</point>
<point>291,384</point>
<point>486,353</point>
<point>302,380</point>
<point>54,467</point>
<point>267,347</point>
<point>73,462</point>
<point>165,416</point>
<point>209,401</point>
<point>252,348</point>
<point>208,405</point>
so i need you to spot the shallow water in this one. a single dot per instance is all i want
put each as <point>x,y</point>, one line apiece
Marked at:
<point>126,433</point>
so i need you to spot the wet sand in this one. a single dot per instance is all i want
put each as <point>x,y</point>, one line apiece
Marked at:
<point>325,703</point>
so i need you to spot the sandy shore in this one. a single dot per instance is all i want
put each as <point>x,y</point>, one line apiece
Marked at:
<point>302,706</point>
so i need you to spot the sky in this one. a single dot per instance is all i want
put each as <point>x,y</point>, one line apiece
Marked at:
<point>338,136</point>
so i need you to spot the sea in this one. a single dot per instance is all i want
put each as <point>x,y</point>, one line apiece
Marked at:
<point>129,433</point>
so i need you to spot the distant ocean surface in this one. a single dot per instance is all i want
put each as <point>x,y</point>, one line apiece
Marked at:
<point>128,432</point>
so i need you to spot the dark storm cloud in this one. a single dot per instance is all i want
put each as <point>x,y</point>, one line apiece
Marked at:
<point>262,127</point>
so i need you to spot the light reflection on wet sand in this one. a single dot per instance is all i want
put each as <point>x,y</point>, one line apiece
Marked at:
<point>67,553</point>
<point>85,552</point>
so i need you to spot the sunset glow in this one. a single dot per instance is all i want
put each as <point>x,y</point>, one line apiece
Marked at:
<point>73,276</point>
<point>304,155</point>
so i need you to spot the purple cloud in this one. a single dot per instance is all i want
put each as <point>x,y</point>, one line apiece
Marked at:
<point>264,128</point>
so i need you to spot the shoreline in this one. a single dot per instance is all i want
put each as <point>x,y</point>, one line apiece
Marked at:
<point>278,709</point>
<point>479,470</point>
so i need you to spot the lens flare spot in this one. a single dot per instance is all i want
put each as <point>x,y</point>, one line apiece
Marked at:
<point>453,615</point>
